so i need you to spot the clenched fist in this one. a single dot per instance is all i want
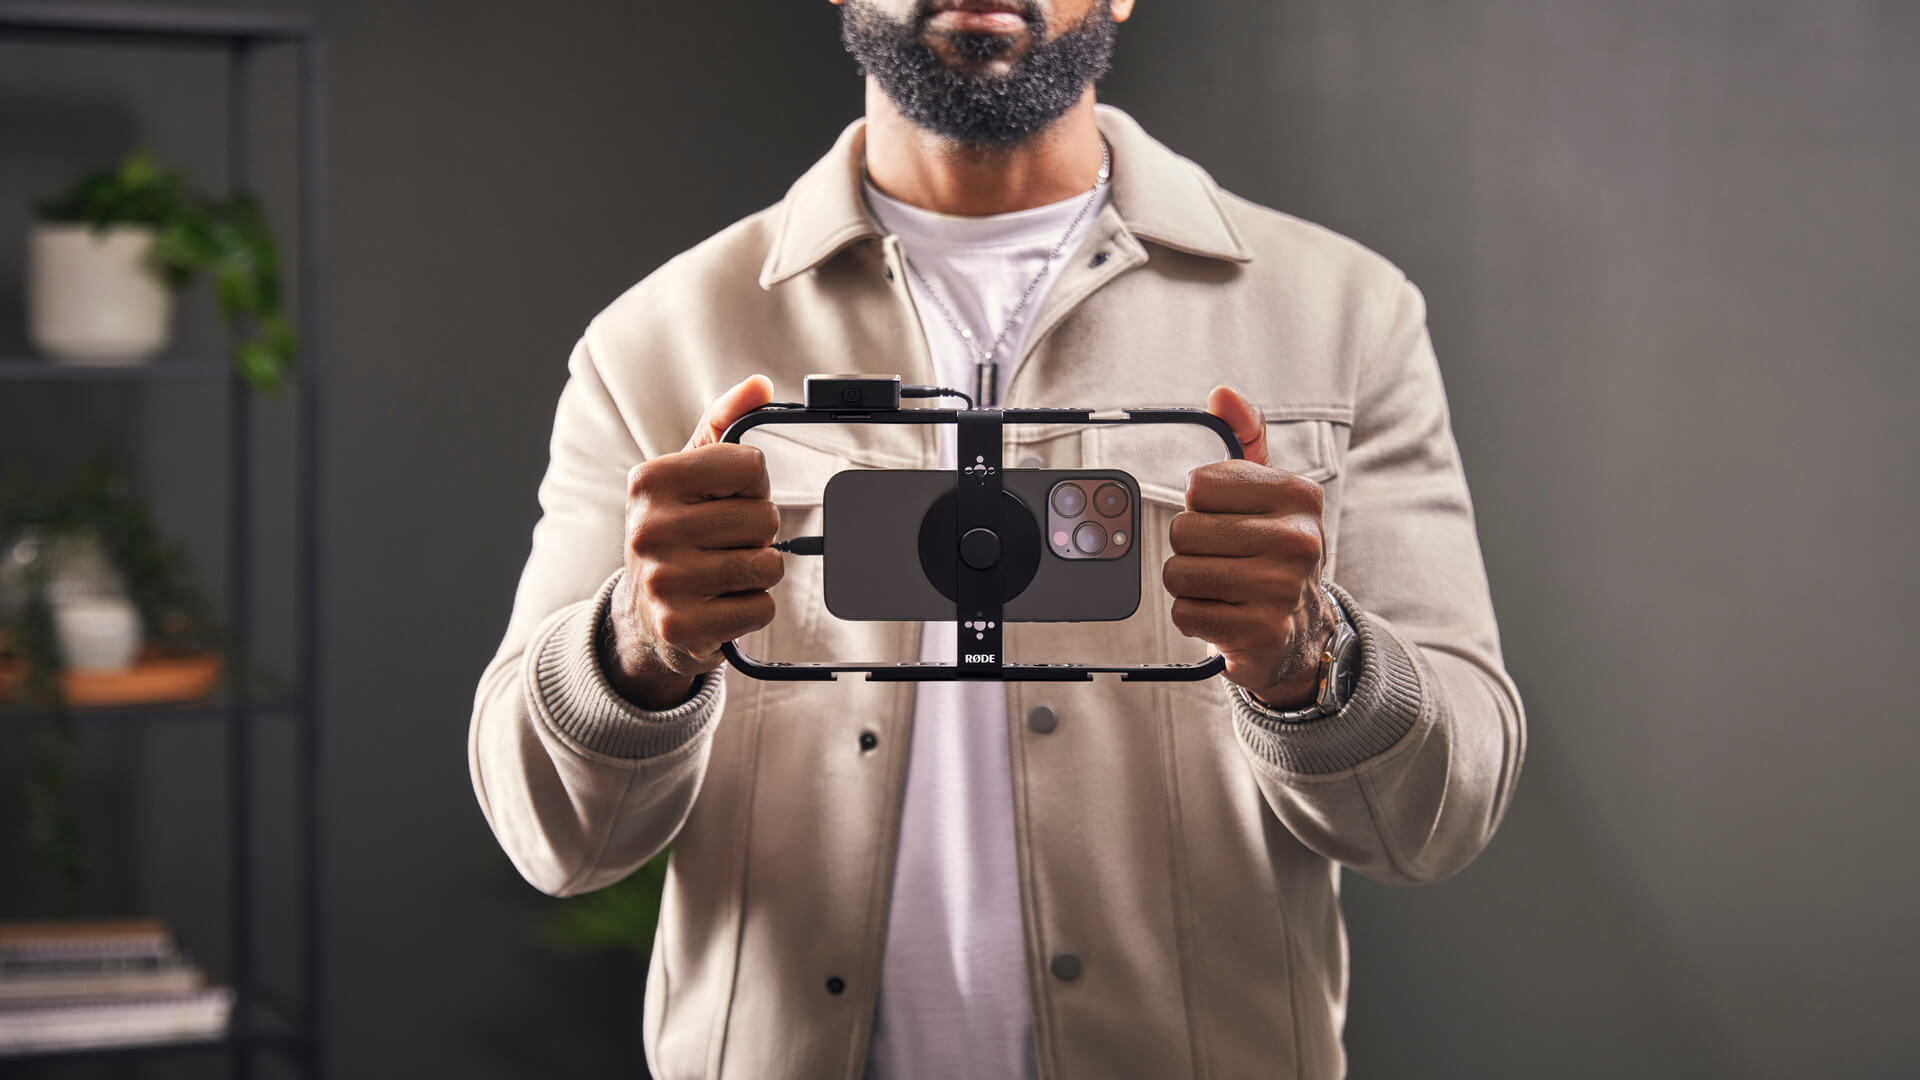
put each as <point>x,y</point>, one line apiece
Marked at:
<point>699,527</point>
<point>1245,572</point>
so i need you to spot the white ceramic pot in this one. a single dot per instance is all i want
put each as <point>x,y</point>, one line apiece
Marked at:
<point>91,299</point>
<point>99,633</point>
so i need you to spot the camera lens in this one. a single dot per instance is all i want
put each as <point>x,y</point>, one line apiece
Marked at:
<point>1110,500</point>
<point>1090,538</point>
<point>1069,500</point>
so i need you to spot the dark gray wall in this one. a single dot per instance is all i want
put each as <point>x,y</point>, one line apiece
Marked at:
<point>1665,247</point>
<point>1668,253</point>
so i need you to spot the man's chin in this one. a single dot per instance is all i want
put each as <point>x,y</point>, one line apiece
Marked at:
<point>983,89</point>
<point>979,53</point>
<point>979,69</point>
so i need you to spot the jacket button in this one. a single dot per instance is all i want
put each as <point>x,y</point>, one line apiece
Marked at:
<point>837,985</point>
<point>1033,461</point>
<point>1065,966</point>
<point>1098,258</point>
<point>868,740</point>
<point>1042,720</point>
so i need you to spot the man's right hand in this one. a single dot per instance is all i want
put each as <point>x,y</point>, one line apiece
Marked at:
<point>699,528</point>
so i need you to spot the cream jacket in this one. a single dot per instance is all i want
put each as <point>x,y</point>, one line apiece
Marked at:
<point>1180,855</point>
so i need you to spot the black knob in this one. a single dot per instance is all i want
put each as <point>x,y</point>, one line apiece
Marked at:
<point>980,548</point>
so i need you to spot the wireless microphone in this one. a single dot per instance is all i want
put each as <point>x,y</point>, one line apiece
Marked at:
<point>853,393</point>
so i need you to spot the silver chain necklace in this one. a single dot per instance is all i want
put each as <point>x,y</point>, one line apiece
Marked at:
<point>986,373</point>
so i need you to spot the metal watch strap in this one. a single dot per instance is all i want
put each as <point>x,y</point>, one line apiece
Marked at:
<point>1329,653</point>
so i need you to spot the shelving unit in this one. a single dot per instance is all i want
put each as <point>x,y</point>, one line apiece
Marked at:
<point>29,369</point>
<point>261,1022</point>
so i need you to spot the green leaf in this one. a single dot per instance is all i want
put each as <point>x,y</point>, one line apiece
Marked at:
<point>278,334</point>
<point>259,366</point>
<point>137,171</point>
<point>236,291</point>
<point>230,241</point>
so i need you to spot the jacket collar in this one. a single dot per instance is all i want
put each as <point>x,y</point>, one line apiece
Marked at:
<point>1160,196</point>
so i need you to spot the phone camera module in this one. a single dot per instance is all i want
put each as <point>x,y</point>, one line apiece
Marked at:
<point>1094,526</point>
<point>1069,500</point>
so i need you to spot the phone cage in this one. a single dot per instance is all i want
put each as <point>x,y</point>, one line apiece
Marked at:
<point>978,588</point>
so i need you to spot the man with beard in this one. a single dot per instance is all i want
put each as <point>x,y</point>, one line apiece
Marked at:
<point>1021,879</point>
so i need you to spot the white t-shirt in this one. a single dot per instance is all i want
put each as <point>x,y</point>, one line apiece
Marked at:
<point>953,985</point>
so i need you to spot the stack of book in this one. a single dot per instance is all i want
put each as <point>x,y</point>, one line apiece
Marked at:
<point>72,985</point>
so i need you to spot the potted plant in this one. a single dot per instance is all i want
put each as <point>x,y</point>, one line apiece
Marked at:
<point>89,546</point>
<point>106,255</point>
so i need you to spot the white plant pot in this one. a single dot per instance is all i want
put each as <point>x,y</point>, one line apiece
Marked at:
<point>97,634</point>
<point>91,299</point>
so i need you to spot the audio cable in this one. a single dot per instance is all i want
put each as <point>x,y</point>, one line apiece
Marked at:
<point>935,392</point>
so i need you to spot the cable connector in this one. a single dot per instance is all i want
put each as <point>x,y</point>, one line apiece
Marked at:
<point>936,391</point>
<point>802,545</point>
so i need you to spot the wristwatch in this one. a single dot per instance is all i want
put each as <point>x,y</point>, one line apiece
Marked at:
<point>1339,668</point>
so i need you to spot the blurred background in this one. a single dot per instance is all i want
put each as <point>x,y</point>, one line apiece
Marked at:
<point>1668,252</point>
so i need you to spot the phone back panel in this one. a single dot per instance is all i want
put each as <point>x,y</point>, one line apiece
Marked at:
<point>872,569</point>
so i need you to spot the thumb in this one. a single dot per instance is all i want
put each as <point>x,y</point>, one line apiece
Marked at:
<point>735,402</point>
<point>1248,425</point>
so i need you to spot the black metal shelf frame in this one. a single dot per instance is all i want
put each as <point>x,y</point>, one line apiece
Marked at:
<point>38,369</point>
<point>284,707</point>
<point>238,34</point>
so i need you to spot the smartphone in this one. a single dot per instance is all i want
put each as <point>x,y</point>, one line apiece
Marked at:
<point>1069,544</point>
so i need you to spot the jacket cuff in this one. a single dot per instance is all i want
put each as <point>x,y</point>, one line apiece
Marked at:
<point>1385,705</point>
<point>572,691</point>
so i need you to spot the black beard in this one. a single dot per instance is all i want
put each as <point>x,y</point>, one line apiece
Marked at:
<point>975,109</point>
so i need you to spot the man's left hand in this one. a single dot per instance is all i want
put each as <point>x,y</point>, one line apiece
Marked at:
<point>1245,573</point>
